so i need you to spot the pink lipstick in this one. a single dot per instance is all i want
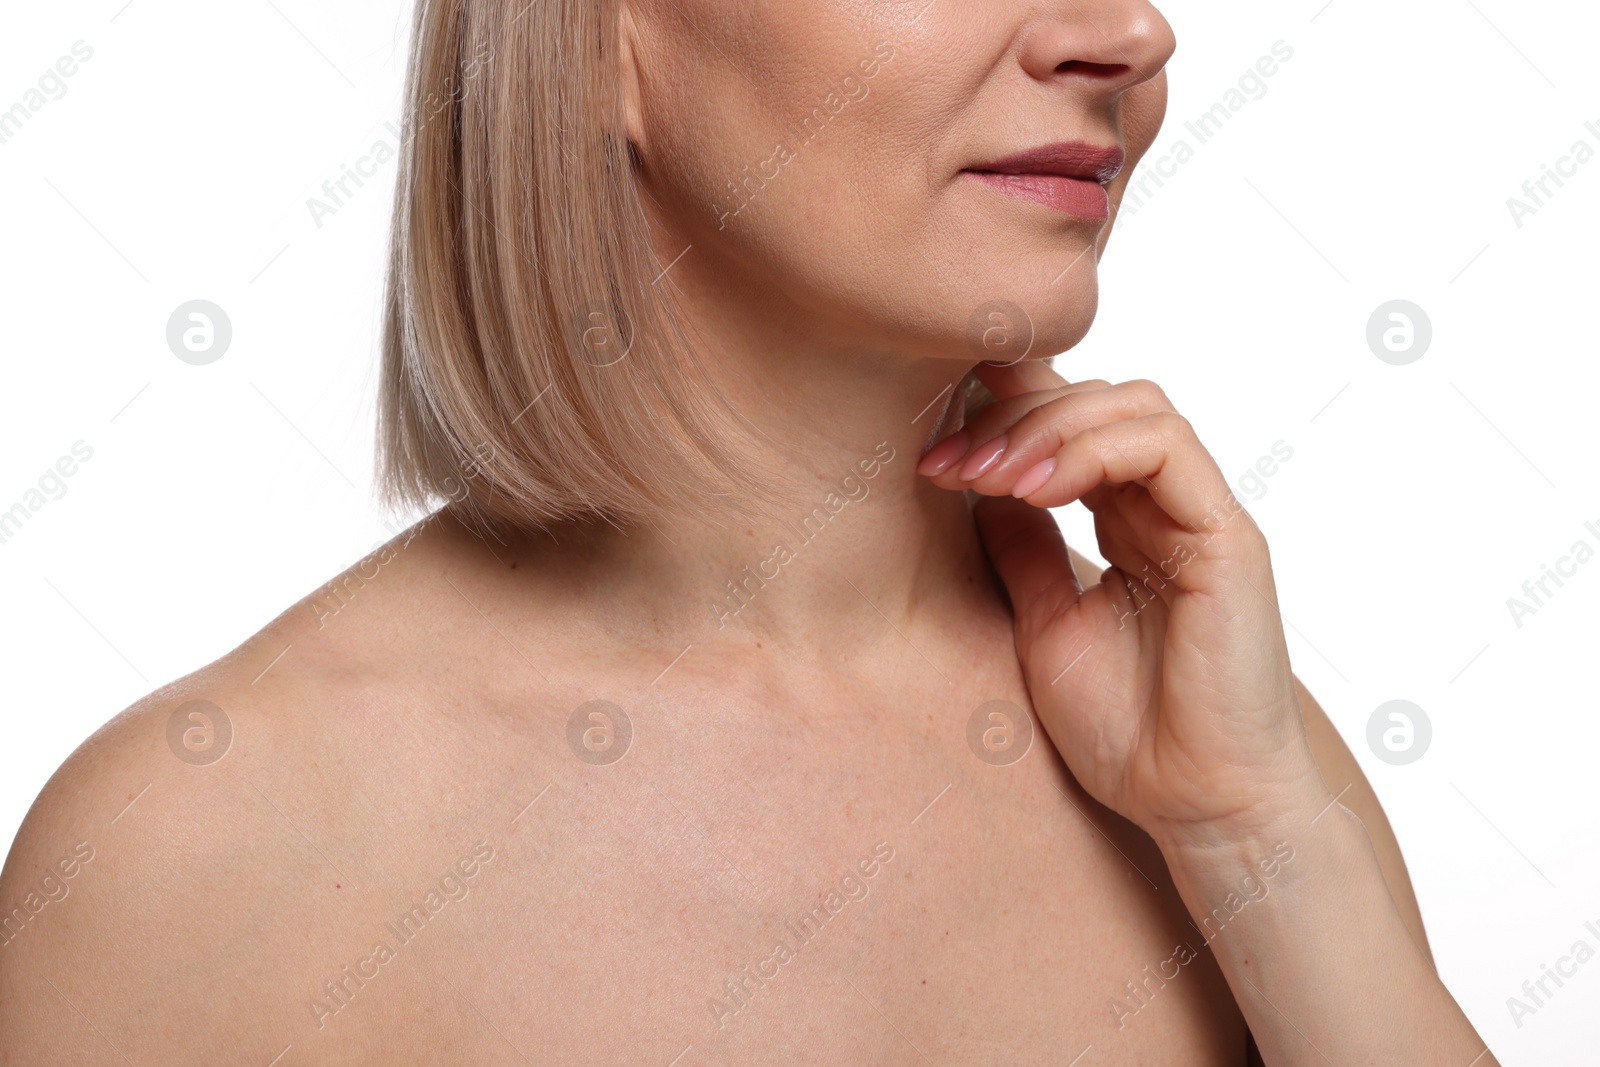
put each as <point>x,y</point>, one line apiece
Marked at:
<point>1070,176</point>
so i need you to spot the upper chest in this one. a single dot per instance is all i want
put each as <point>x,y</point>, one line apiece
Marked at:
<point>781,884</point>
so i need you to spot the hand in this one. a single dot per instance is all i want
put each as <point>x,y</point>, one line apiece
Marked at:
<point>1166,687</point>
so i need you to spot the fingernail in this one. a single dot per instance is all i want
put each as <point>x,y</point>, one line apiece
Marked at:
<point>983,459</point>
<point>1033,478</point>
<point>946,452</point>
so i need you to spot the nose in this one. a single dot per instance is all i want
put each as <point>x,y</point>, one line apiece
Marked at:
<point>1104,46</point>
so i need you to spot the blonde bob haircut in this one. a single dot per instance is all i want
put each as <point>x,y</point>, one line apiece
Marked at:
<point>534,366</point>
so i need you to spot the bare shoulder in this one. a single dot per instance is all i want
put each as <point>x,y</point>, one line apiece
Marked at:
<point>1344,777</point>
<point>178,880</point>
<point>116,877</point>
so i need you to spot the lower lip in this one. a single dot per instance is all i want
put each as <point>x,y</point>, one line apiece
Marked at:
<point>1078,197</point>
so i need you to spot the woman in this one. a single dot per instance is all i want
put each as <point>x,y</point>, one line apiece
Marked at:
<point>708,721</point>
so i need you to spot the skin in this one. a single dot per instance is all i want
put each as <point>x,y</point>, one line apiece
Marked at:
<point>386,741</point>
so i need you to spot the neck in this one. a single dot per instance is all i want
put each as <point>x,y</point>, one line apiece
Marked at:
<point>858,548</point>
<point>861,553</point>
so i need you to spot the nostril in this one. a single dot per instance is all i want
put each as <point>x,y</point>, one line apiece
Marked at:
<point>1094,70</point>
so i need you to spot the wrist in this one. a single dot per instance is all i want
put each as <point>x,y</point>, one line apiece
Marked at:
<point>1285,810</point>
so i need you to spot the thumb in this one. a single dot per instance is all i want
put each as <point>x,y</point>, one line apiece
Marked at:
<point>1007,380</point>
<point>1030,555</point>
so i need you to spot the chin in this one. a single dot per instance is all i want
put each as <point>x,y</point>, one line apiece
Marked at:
<point>1030,318</point>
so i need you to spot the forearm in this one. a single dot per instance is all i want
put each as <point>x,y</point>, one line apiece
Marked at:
<point>1300,920</point>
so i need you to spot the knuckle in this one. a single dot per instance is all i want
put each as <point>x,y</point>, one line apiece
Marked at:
<point>1149,395</point>
<point>1247,537</point>
<point>1175,425</point>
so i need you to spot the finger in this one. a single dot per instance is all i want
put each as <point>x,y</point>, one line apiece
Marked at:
<point>1142,520</point>
<point>1011,436</point>
<point>1028,552</point>
<point>1006,380</point>
<point>944,459</point>
<point>1166,542</point>
<point>996,467</point>
<point>1159,452</point>
<point>1133,608</point>
<point>1172,561</point>
<point>1123,547</point>
<point>999,417</point>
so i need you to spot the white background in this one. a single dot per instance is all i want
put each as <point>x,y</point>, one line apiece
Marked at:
<point>1377,166</point>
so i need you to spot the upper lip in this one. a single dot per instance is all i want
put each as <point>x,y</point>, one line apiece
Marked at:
<point>1068,159</point>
